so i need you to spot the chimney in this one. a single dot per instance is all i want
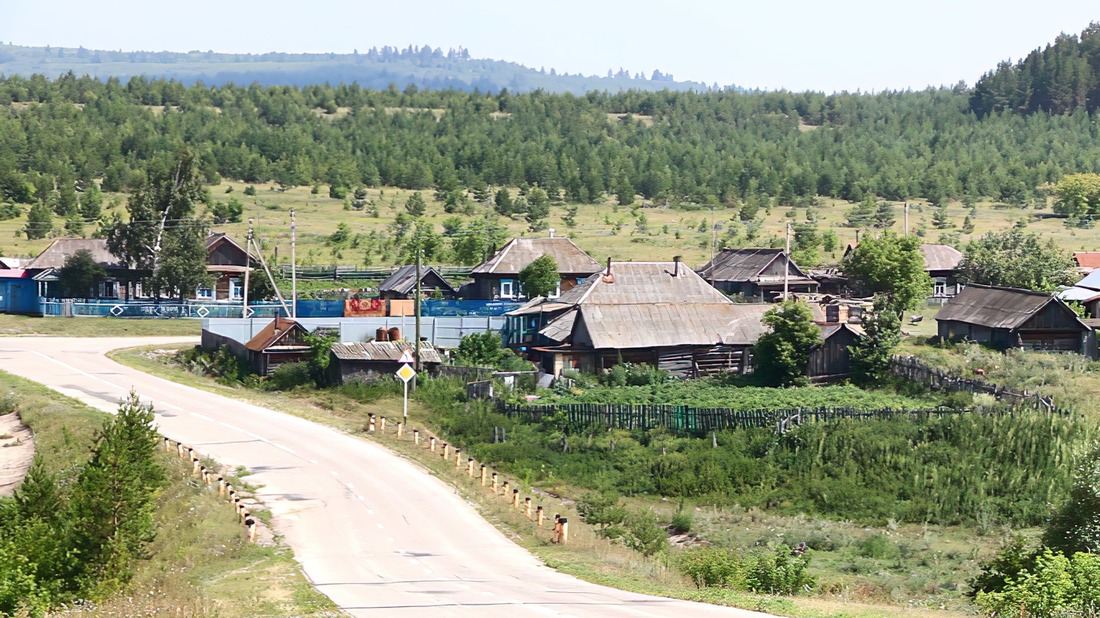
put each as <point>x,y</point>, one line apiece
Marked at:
<point>551,232</point>
<point>608,273</point>
<point>676,267</point>
<point>607,277</point>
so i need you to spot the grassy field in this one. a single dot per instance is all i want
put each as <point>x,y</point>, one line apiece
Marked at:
<point>862,570</point>
<point>604,229</point>
<point>96,327</point>
<point>200,563</point>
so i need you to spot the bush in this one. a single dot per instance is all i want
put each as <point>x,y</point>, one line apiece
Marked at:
<point>365,391</point>
<point>711,567</point>
<point>1056,586</point>
<point>682,522</point>
<point>291,375</point>
<point>778,572</point>
<point>643,533</point>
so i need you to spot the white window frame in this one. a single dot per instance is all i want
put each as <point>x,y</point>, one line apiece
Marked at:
<point>204,293</point>
<point>557,291</point>
<point>939,287</point>
<point>508,288</point>
<point>236,289</point>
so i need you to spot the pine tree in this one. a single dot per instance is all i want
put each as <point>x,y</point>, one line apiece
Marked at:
<point>884,215</point>
<point>39,222</point>
<point>113,502</point>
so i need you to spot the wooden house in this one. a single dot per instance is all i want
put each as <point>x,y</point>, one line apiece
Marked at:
<point>283,340</point>
<point>498,277</point>
<point>402,284</point>
<point>941,262</point>
<point>227,261</point>
<point>658,313</point>
<point>120,283</point>
<point>756,274</point>
<point>375,360</point>
<point>1011,318</point>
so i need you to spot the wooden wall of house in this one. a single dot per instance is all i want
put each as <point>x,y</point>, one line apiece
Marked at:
<point>1053,317</point>
<point>226,255</point>
<point>832,357</point>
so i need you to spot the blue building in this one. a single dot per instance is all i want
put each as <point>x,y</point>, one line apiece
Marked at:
<point>18,292</point>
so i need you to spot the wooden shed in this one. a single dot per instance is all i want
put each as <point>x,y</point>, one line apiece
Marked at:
<point>1011,318</point>
<point>375,360</point>
<point>832,359</point>
<point>402,284</point>
<point>281,341</point>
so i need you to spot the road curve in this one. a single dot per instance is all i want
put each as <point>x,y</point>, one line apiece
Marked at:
<point>371,529</point>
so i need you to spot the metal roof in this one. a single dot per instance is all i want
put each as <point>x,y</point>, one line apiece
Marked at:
<point>1087,259</point>
<point>644,283</point>
<point>60,249</point>
<point>994,307</point>
<point>1091,281</point>
<point>745,265</point>
<point>667,324</point>
<point>519,252</point>
<point>1075,293</point>
<point>273,333</point>
<point>940,257</point>
<point>387,351</point>
<point>403,280</point>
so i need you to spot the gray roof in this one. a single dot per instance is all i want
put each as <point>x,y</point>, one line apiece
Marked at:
<point>664,325</point>
<point>1091,281</point>
<point>744,264</point>
<point>994,307</point>
<point>54,256</point>
<point>387,351</point>
<point>644,283</point>
<point>403,280</point>
<point>519,252</point>
<point>1079,294</point>
<point>941,257</point>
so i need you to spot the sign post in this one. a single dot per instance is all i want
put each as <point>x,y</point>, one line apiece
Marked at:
<point>406,373</point>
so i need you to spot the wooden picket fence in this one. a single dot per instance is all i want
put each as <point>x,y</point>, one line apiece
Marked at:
<point>694,420</point>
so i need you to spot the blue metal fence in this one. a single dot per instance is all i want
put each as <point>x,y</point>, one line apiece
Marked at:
<point>306,309</point>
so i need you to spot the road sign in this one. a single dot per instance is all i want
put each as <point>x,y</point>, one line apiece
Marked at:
<point>406,357</point>
<point>406,373</point>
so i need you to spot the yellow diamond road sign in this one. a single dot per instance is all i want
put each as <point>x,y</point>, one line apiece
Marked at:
<point>406,373</point>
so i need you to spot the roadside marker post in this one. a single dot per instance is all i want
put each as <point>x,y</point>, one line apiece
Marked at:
<point>406,373</point>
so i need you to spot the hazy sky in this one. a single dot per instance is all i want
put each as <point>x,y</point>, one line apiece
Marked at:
<point>793,44</point>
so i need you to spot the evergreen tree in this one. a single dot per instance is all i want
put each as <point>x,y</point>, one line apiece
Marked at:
<point>502,202</point>
<point>415,205</point>
<point>884,215</point>
<point>871,354</point>
<point>862,215</point>
<point>39,221</point>
<point>940,218</point>
<point>91,202</point>
<point>114,499</point>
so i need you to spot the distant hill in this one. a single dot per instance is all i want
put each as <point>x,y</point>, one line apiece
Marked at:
<point>423,67</point>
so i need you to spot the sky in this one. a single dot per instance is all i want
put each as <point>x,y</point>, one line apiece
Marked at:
<point>798,45</point>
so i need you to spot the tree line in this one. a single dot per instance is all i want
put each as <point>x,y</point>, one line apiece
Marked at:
<point>721,148</point>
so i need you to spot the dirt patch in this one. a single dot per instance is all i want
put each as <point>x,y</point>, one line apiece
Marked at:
<point>16,452</point>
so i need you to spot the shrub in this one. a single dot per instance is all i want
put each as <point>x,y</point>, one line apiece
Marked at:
<point>682,522</point>
<point>1056,586</point>
<point>291,375</point>
<point>778,572</point>
<point>643,533</point>
<point>711,567</point>
<point>365,391</point>
<point>878,547</point>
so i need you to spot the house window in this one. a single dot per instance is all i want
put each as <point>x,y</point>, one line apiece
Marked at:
<point>204,293</point>
<point>556,293</point>
<point>236,292</point>
<point>507,288</point>
<point>108,289</point>
<point>939,287</point>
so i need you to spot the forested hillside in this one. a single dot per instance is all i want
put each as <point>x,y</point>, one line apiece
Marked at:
<point>1062,78</point>
<point>714,147</point>
<point>377,68</point>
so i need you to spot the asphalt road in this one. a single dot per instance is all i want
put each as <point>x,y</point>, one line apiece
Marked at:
<point>372,530</point>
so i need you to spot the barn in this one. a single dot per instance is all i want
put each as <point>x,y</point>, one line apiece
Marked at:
<point>1012,318</point>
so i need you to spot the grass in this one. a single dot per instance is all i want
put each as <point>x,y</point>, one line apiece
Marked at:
<point>97,327</point>
<point>602,229</point>
<point>200,563</point>
<point>862,571</point>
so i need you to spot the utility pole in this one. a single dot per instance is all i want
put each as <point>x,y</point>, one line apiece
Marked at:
<point>787,263</point>
<point>416,311</point>
<point>247,268</point>
<point>905,231</point>
<point>293,267</point>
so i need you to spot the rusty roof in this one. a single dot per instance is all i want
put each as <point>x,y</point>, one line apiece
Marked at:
<point>995,307</point>
<point>745,265</point>
<point>519,252</point>
<point>272,334</point>
<point>1087,259</point>
<point>383,351</point>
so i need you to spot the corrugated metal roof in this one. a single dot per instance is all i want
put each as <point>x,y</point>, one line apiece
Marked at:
<point>644,283</point>
<point>271,334</point>
<point>941,257</point>
<point>560,327</point>
<point>519,252</point>
<point>13,273</point>
<point>1075,293</point>
<point>993,307</point>
<point>54,256</point>
<point>832,328</point>
<point>1091,281</point>
<point>744,264</point>
<point>403,280</point>
<point>389,351</point>
<point>668,324</point>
